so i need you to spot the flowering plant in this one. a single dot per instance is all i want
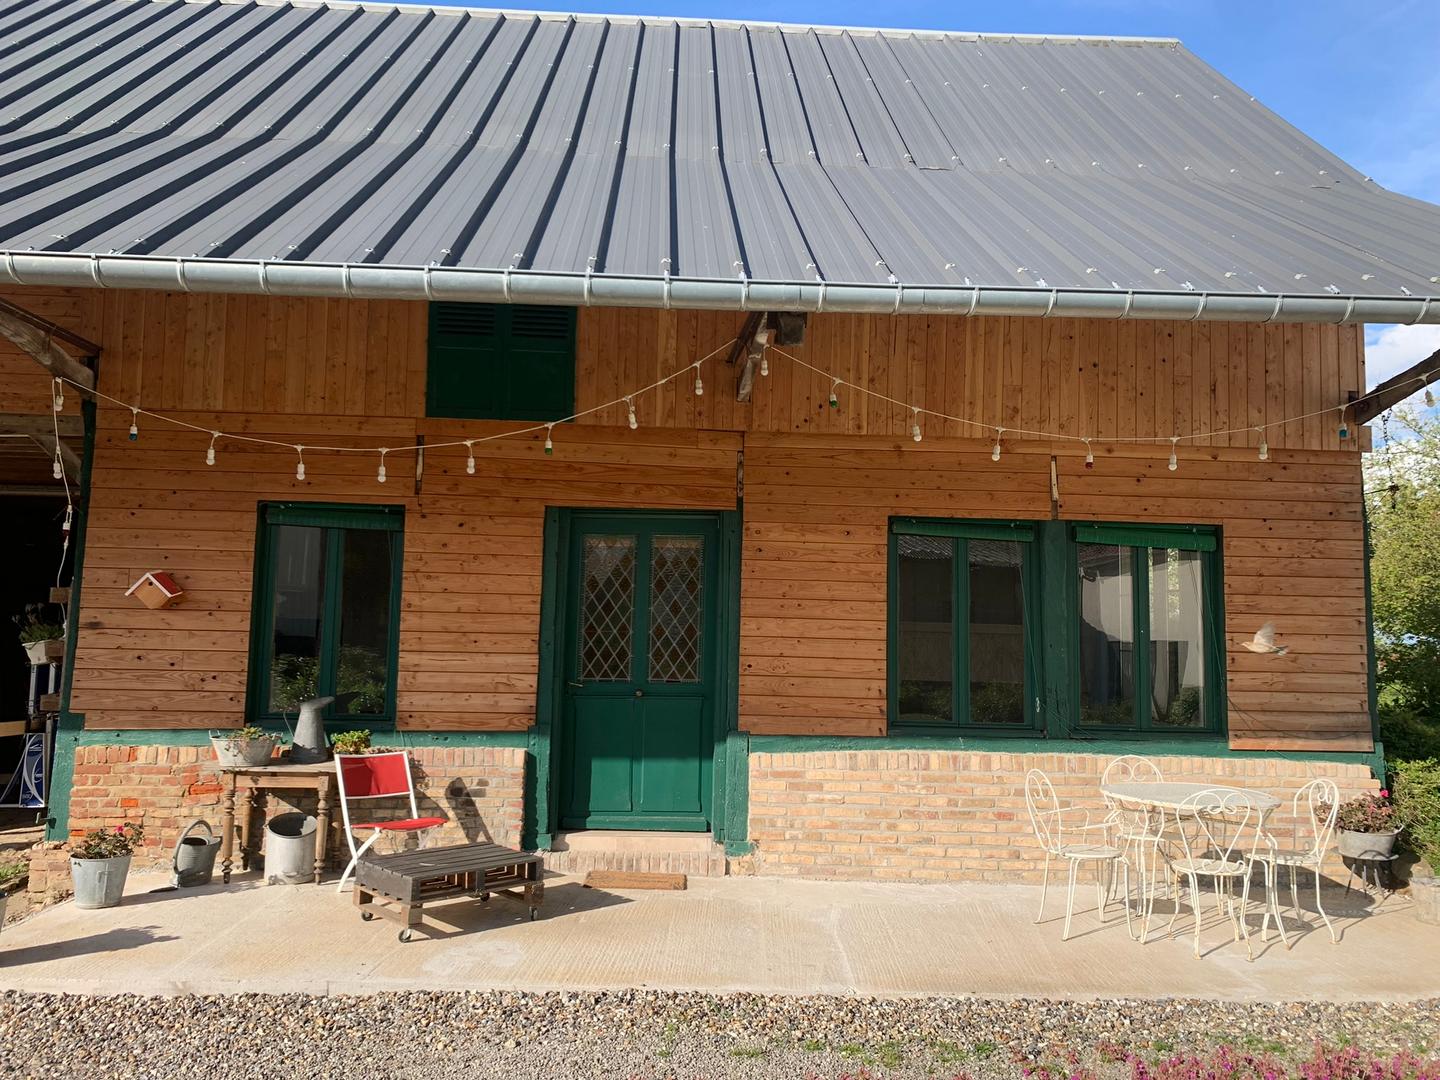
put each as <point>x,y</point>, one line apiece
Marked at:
<point>109,843</point>
<point>1368,814</point>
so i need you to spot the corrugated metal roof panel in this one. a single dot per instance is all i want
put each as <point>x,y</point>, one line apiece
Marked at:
<point>408,136</point>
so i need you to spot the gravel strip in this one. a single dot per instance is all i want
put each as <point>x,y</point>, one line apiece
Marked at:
<point>639,1035</point>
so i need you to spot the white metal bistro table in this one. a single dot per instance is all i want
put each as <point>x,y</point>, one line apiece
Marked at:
<point>1172,796</point>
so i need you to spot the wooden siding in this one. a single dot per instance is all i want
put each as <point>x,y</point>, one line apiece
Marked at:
<point>24,384</point>
<point>820,485</point>
<point>813,613</point>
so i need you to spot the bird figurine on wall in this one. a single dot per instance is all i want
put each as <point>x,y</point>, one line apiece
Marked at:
<point>1264,642</point>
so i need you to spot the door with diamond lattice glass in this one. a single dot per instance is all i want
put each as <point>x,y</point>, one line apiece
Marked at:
<point>639,648</point>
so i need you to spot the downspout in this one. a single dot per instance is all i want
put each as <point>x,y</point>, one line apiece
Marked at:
<point>1377,755</point>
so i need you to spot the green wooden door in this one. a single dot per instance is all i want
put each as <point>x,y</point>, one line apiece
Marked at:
<point>640,647</point>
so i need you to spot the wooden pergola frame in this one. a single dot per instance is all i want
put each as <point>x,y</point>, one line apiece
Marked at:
<point>37,337</point>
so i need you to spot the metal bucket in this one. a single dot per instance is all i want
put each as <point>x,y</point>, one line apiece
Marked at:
<point>194,858</point>
<point>290,848</point>
<point>99,883</point>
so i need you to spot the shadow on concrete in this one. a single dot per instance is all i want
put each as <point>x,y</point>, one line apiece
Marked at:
<point>118,940</point>
<point>461,916</point>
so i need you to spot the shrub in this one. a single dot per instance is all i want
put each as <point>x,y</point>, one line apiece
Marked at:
<point>109,843</point>
<point>1417,808</point>
<point>1367,814</point>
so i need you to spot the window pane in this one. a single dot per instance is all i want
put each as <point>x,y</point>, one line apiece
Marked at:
<point>299,567</point>
<point>607,608</point>
<point>924,638</point>
<point>1177,651</point>
<point>997,633</point>
<point>676,567</point>
<point>362,667</point>
<point>1107,637</point>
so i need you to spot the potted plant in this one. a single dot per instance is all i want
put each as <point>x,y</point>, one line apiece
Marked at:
<point>36,632</point>
<point>351,742</point>
<point>99,862</point>
<point>1417,809</point>
<point>1367,827</point>
<point>246,746</point>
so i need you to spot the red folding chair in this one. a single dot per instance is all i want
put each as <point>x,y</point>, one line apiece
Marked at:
<point>377,776</point>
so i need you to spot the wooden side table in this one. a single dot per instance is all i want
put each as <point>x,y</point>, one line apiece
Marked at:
<point>244,781</point>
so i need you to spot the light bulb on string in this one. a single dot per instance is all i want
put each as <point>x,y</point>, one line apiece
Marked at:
<point>1344,430</point>
<point>549,442</point>
<point>834,396</point>
<point>699,386</point>
<point>380,473</point>
<point>469,457</point>
<point>764,364</point>
<point>58,399</point>
<point>134,423</point>
<point>1264,446</point>
<point>630,413</point>
<point>1089,455</point>
<point>995,450</point>
<point>210,450</point>
<point>915,424</point>
<point>299,462</point>
<point>1174,462</point>
<point>57,468</point>
<point>1429,396</point>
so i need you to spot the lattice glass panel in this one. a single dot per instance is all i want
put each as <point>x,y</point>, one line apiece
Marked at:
<point>607,608</point>
<point>676,573</point>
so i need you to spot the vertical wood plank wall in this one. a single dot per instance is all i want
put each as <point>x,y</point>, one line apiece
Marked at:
<point>820,485</point>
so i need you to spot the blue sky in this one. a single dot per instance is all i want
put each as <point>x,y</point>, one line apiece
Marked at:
<point>1361,77</point>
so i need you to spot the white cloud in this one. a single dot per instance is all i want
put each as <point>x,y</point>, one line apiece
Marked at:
<point>1389,350</point>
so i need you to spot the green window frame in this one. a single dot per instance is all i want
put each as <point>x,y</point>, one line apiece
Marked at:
<point>1197,545</point>
<point>334,527</point>
<point>964,712</point>
<point>500,361</point>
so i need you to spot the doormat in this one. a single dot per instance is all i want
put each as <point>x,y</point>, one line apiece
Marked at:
<point>633,879</point>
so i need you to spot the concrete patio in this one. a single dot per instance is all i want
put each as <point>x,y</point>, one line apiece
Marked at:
<point>731,934</point>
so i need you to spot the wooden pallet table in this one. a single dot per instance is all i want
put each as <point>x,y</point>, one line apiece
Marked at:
<point>397,887</point>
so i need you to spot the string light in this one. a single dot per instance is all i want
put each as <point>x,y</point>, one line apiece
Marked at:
<point>630,413</point>
<point>1429,397</point>
<point>57,467</point>
<point>134,423</point>
<point>1089,455</point>
<point>1174,462</point>
<point>915,423</point>
<point>470,457</point>
<point>58,399</point>
<point>1264,446</point>
<point>1344,427</point>
<point>549,442</point>
<point>210,450</point>
<point>300,463</point>
<point>834,397</point>
<point>764,364</point>
<point>699,386</point>
<point>380,475</point>
<point>995,450</point>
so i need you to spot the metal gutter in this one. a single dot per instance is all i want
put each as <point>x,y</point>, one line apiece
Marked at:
<point>600,290</point>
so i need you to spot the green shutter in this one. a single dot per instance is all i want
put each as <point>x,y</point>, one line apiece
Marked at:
<point>388,518</point>
<point>1181,538</point>
<point>965,530</point>
<point>500,361</point>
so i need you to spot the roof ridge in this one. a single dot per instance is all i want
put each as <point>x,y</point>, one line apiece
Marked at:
<point>966,35</point>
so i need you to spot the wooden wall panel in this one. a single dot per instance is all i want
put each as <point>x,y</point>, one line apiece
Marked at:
<point>24,384</point>
<point>813,617</point>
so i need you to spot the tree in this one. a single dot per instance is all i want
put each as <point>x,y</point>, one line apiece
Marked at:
<point>1403,488</point>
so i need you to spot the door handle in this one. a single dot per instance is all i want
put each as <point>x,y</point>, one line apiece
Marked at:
<point>639,693</point>
<point>573,684</point>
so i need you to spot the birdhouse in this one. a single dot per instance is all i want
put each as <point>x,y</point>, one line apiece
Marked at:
<point>156,589</point>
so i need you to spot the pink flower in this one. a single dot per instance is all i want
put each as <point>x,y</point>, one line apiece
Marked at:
<point>1384,794</point>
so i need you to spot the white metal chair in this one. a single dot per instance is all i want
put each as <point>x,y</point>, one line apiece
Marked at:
<point>1131,769</point>
<point>1302,845</point>
<point>1219,835</point>
<point>377,776</point>
<point>1139,828</point>
<point>1047,818</point>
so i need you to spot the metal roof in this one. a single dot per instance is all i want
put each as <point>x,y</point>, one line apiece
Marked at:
<point>401,150</point>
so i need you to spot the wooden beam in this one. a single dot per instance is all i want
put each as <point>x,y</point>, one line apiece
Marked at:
<point>35,337</point>
<point>84,346</point>
<point>1396,389</point>
<point>41,424</point>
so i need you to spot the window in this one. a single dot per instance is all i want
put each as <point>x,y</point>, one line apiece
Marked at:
<point>960,599</point>
<point>1147,652</point>
<point>326,611</point>
<point>500,361</point>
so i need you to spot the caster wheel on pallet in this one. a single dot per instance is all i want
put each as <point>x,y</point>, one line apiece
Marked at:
<point>366,916</point>
<point>405,935</point>
<point>534,914</point>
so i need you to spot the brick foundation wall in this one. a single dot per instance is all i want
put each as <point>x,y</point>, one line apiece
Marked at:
<point>480,790</point>
<point>914,815</point>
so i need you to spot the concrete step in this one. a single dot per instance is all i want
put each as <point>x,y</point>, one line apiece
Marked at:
<point>693,854</point>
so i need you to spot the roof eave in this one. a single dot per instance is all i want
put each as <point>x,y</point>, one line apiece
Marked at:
<point>372,282</point>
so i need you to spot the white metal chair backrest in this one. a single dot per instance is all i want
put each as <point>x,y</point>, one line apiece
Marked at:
<point>1131,769</point>
<point>1044,808</point>
<point>1226,827</point>
<point>1314,810</point>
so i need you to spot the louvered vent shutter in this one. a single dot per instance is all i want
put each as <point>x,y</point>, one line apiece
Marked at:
<point>501,361</point>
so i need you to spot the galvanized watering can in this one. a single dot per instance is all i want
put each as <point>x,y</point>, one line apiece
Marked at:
<point>194,859</point>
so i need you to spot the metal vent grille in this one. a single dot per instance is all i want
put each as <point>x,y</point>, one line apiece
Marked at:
<point>540,323</point>
<point>472,319</point>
